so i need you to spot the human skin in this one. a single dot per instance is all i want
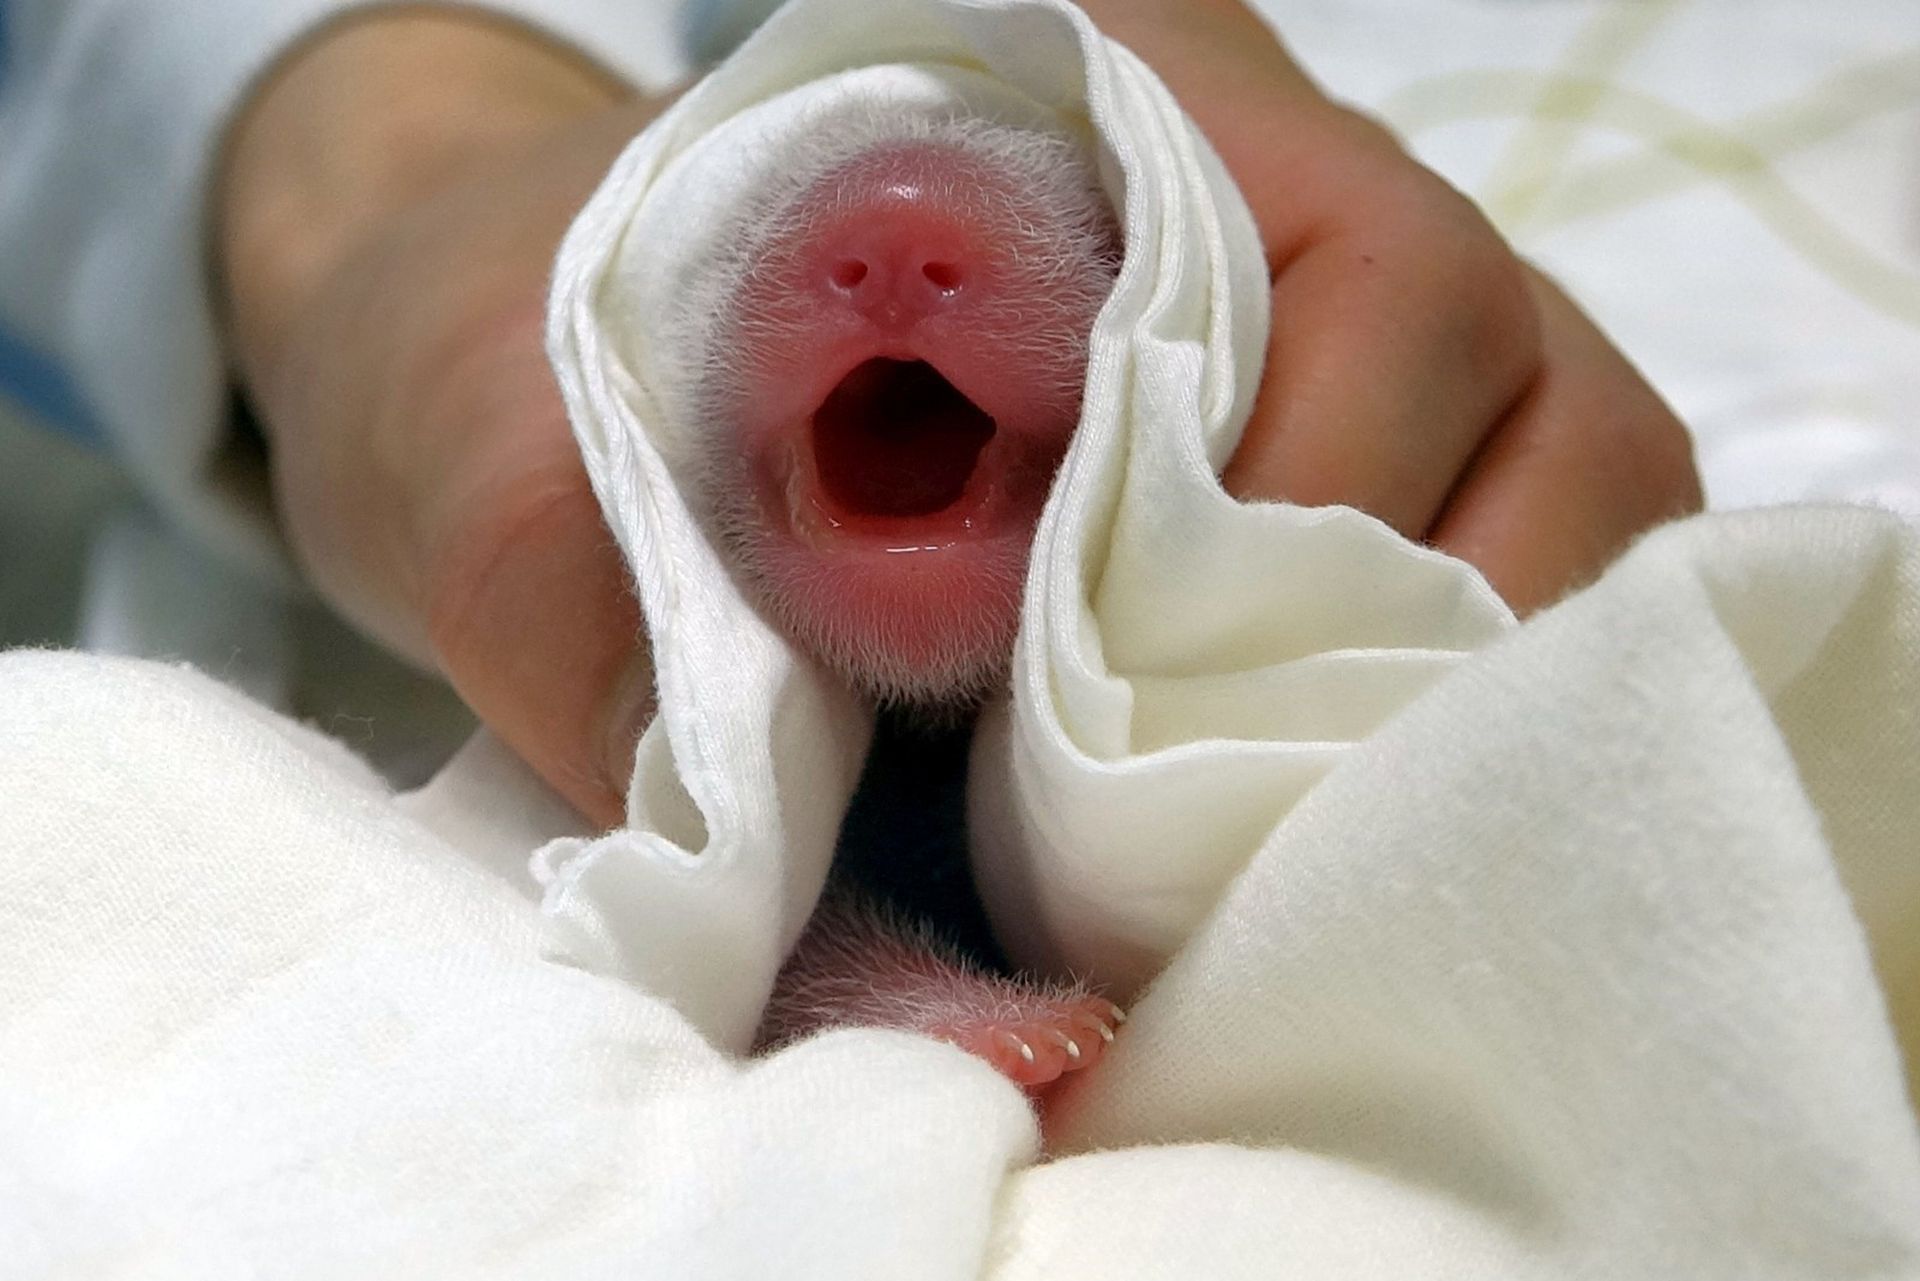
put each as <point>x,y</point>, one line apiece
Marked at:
<point>387,211</point>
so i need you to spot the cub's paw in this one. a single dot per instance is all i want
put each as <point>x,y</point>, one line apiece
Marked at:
<point>1034,1037</point>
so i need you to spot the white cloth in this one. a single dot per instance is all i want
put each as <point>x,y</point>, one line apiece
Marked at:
<point>1576,959</point>
<point>257,1021</point>
<point>1554,976</point>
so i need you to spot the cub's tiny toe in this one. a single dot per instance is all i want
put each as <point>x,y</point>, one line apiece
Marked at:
<point>1099,1021</point>
<point>1022,1055</point>
<point>1013,1052</point>
<point>1042,1039</point>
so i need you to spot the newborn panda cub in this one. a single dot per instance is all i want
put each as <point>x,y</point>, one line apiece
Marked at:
<point>896,371</point>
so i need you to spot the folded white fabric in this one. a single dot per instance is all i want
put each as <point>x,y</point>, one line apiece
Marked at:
<point>1565,949</point>
<point>1556,975</point>
<point>258,1021</point>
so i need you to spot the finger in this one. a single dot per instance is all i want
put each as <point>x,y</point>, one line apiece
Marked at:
<point>523,591</point>
<point>1587,460</point>
<point>1402,330</point>
<point>534,624</point>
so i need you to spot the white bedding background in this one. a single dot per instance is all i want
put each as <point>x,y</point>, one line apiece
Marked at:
<point>1491,951</point>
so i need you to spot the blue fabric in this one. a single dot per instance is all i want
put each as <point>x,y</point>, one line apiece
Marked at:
<point>27,376</point>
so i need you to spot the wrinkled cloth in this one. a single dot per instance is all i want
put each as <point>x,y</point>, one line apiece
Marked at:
<point>1568,970</point>
<point>1463,948</point>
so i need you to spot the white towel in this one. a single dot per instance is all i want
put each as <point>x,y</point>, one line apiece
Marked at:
<point>1490,951</point>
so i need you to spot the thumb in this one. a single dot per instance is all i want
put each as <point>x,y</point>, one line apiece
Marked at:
<point>530,615</point>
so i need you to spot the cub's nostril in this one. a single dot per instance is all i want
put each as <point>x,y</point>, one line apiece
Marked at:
<point>849,272</point>
<point>944,276</point>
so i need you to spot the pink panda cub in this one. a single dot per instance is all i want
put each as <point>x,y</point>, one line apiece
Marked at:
<point>893,368</point>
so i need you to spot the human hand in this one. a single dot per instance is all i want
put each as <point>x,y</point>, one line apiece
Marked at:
<point>387,218</point>
<point>1417,369</point>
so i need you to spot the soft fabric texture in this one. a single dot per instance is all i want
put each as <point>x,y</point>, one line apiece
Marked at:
<point>1565,949</point>
<point>761,742</point>
<point>1555,975</point>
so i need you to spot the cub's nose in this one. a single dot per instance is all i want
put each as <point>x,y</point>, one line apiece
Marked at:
<point>897,274</point>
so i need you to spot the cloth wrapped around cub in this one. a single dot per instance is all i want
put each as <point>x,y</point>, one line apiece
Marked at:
<point>1461,948</point>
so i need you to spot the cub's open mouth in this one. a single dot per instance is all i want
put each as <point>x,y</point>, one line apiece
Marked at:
<point>895,440</point>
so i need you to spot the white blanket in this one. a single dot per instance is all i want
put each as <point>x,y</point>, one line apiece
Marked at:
<point>1489,951</point>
